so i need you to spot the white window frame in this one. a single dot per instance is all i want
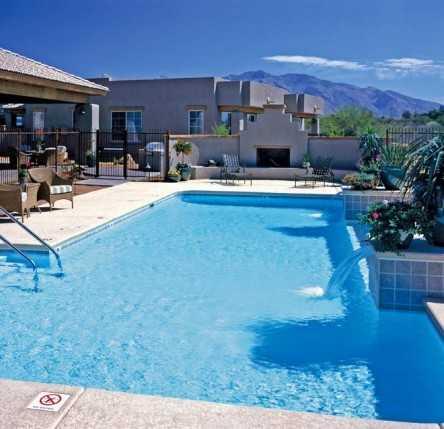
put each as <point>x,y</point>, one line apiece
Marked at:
<point>203,120</point>
<point>249,115</point>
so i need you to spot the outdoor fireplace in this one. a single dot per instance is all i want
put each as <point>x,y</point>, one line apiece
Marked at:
<point>273,157</point>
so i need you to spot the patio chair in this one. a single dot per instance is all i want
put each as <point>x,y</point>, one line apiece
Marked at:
<point>232,169</point>
<point>49,157</point>
<point>17,158</point>
<point>52,186</point>
<point>17,200</point>
<point>322,173</point>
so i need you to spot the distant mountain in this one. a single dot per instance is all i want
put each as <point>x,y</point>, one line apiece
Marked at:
<point>338,95</point>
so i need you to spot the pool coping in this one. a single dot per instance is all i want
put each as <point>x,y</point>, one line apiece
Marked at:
<point>89,407</point>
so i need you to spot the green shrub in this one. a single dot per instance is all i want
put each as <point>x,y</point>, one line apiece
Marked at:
<point>372,167</point>
<point>425,172</point>
<point>221,130</point>
<point>394,154</point>
<point>360,181</point>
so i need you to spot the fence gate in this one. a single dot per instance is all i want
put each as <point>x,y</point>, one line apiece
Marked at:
<point>129,155</point>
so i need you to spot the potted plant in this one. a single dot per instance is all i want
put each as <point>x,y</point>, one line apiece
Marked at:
<point>90,158</point>
<point>76,172</point>
<point>39,145</point>
<point>23,175</point>
<point>424,178</point>
<point>370,145</point>
<point>174,175</point>
<point>393,225</point>
<point>183,149</point>
<point>393,158</point>
<point>306,162</point>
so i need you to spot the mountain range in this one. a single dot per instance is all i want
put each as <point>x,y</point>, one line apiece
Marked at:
<point>339,95</point>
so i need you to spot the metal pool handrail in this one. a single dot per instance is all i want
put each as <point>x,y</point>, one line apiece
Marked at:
<point>33,234</point>
<point>16,249</point>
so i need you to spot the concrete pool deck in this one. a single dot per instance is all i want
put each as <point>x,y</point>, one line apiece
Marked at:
<point>98,208</point>
<point>93,408</point>
<point>90,408</point>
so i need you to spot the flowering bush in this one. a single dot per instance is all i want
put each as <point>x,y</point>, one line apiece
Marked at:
<point>360,181</point>
<point>393,225</point>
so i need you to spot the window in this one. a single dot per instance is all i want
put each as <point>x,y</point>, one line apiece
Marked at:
<point>251,117</point>
<point>225,118</point>
<point>195,121</point>
<point>118,121</point>
<point>38,120</point>
<point>19,121</point>
<point>299,122</point>
<point>134,122</point>
<point>130,121</point>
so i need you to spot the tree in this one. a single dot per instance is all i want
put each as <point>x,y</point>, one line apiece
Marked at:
<point>350,121</point>
<point>406,114</point>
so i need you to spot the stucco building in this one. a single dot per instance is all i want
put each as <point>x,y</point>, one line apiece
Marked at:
<point>183,106</point>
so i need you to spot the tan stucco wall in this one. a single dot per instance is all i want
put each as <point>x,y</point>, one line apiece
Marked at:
<point>205,148</point>
<point>344,150</point>
<point>273,128</point>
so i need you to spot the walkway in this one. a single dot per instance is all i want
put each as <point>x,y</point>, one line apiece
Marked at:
<point>91,408</point>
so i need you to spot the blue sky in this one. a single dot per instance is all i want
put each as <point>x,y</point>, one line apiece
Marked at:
<point>390,44</point>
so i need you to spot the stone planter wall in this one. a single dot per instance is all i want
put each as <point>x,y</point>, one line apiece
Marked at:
<point>357,202</point>
<point>404,281</point>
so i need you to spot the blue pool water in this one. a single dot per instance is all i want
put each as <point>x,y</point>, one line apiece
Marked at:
<point>204,297</point>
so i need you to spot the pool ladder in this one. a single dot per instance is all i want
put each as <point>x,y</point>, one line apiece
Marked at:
<point>34,235</point>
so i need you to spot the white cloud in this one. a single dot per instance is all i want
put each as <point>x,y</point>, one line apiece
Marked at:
<point>316,61</point>
<point>400,67</point>
<point>408,63</point>
<point>390,68</point>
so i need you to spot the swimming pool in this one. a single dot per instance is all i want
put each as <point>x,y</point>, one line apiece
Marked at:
<point>203,297</point>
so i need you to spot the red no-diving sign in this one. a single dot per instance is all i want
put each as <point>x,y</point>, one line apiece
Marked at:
<point>50,399</point>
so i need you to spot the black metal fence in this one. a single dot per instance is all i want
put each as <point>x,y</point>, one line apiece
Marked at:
<point>132,155</point>
<point>106,154</point>
<point>409,136</point>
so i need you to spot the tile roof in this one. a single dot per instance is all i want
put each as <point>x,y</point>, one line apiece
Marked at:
<point>16,63</point>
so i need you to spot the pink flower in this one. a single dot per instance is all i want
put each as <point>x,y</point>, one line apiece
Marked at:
<point>376,215</point>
